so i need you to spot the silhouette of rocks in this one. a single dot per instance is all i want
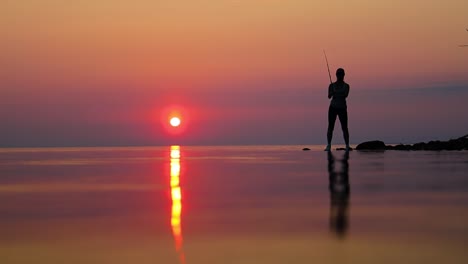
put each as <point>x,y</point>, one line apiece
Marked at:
<point>371,145</point>
<point>452,144</point>
<point>350,149</point>
<point>305,149</point>
<point>399,147</point>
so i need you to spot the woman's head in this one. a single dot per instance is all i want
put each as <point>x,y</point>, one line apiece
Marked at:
<point>340,73</point>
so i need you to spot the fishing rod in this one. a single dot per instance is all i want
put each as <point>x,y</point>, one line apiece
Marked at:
<point>328,67</point>
<point>463,46</point>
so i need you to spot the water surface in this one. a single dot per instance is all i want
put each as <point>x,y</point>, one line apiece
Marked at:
<point>255,204</point>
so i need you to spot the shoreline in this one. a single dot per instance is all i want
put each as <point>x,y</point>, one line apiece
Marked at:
<point>460,143</point>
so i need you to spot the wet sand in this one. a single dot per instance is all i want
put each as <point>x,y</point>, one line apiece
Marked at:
<point>256,204</point>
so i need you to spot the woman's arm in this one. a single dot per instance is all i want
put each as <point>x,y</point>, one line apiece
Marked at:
<point>330,91</point>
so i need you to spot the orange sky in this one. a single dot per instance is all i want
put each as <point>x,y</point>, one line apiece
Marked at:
<point>145,55</point>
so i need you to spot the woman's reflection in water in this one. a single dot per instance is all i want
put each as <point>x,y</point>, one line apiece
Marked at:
<point>176,198</point>
<point>339,195</point>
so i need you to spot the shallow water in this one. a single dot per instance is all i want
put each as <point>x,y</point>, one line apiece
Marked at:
<point>256,204</point>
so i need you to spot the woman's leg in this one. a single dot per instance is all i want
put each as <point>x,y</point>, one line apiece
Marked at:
<point>343,116</point>
<point>331,123</point>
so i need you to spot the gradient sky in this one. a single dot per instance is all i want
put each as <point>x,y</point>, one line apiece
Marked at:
<point>107,72</point>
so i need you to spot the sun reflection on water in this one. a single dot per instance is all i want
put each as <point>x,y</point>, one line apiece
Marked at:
<point>176,198</point>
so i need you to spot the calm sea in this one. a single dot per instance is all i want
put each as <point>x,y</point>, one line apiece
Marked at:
<point>247,204</point>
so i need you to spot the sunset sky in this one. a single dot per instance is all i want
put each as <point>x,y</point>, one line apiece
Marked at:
<point>110,72</point>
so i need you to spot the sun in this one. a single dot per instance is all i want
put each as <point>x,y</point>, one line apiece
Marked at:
<point>175,121</point>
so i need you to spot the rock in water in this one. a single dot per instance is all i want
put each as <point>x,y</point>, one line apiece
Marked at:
<point>350,149</point>
<point>371,145</point>
<point>452,144</point>
<point>401,147</point>
<point>306,149</point>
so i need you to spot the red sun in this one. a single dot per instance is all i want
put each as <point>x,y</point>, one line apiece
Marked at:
<point>175,121</point>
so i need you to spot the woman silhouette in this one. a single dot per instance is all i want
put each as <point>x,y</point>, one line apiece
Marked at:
<point>338,92</point>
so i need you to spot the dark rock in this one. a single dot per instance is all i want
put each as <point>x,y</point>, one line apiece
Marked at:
<point>419,146</point>
<point>453,144</point>
<point>433,145</point>
<point>371,145</point>
<point>305,149</point>
<point>350,149</point>
<point>402,147</point>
